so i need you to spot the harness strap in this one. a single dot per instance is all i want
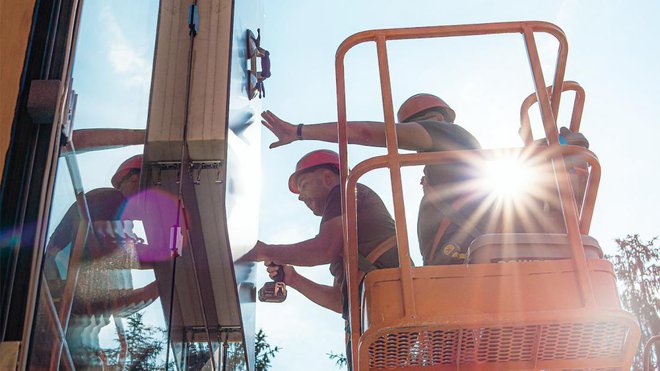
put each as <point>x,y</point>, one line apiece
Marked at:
<point>452,214</point>
<point>368,263</point>
<point>381,249</point>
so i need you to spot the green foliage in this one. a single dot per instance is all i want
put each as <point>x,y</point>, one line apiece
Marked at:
<point>339,358</point>
<point>144,344</point>
<point>197,355</point>
<point>236,357</point>
<point>146,348</point>
<point>637,267</point>
<point>264,353</point>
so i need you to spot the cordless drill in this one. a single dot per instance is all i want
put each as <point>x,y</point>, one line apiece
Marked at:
<point>275,291</point>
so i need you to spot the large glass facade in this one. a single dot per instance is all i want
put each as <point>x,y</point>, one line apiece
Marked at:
<point>98,303</point>
<point>124,285</point>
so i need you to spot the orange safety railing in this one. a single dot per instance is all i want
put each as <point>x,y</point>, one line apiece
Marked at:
<point>576,116</point>
<point>549,107</point>
<point>525,131</point>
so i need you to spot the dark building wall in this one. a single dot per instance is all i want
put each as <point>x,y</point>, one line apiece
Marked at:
<point>15,22</point>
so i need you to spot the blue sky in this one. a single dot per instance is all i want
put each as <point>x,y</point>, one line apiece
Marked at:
<point>613,54</point>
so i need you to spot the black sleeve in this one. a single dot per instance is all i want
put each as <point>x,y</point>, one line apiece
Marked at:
<point>65,230</point>
<point>103,203</point>
<point>332,205</point>
<point>446,136</point>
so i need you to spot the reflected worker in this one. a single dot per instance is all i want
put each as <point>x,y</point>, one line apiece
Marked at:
<point>104,285</point>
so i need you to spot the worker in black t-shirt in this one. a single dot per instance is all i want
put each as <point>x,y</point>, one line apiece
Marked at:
<point>104,284</point>
<point>316,181</point>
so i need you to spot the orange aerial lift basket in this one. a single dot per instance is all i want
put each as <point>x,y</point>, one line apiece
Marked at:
<point>522,301</point>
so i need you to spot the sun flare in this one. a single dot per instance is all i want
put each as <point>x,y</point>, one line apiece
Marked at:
<point>508,177</point>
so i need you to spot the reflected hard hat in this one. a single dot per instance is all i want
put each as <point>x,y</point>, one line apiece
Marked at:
<point>310,160</point>
<point>421,102</point>
<point>133,163</point>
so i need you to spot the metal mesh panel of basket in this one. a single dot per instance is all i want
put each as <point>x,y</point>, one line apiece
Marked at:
<point>582,340</point>
<point>568,341</point>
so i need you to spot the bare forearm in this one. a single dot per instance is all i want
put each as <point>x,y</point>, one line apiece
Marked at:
<point>326,296</point>
<point>303,254</point>
<point>322,249</point>
<point>410,135</point>
<point>97,139</point>
<point>368,133</point>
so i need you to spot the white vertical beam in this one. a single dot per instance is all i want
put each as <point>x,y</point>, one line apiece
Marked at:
<point>208,88</point>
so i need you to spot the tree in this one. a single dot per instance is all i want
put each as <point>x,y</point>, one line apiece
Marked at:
<point>197,355</point>
<point>144,346</point>
<point>339,358</point>
<point>637,266</point>
<point>264,353</point>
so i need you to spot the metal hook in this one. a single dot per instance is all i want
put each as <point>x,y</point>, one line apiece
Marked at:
<point>158,176</point>
<point>218,180</point>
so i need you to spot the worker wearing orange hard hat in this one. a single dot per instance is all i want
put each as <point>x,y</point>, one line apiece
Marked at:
<point>426,124</point>
<point>127,177</point>
<point>104,203</point>
<point>109,253</point>
<point>316,182</point>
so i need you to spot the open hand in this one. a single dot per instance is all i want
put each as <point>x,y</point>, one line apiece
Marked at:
<point>284,131</point>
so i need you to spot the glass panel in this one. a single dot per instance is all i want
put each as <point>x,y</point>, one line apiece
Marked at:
<point>196,356</point>
<point>111,294</point>
<point>235,357</point>
<point>99,302</point>
<point>243,180</point>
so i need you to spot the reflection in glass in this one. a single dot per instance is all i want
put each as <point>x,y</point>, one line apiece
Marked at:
<point>98,300</point>
<point>111,298</point>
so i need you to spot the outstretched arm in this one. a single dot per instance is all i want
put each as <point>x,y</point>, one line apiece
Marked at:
<point>322,249</point>
<point>410,135</point>
<point>326,296</point>
<point>85,140</point>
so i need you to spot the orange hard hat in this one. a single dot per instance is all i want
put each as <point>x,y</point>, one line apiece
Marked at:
<point>421,102</point>
<point>125,168</point>
<point>310,160</point>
